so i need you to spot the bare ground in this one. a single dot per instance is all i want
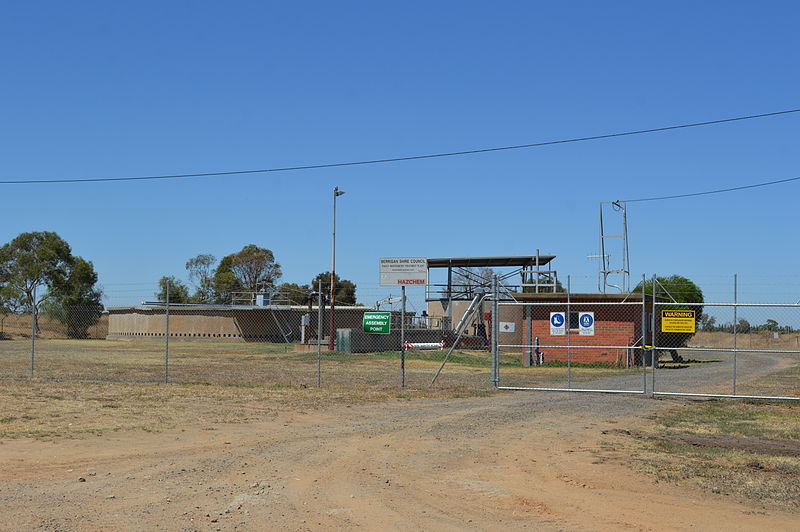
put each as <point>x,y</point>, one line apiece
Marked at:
<point>117,456</point>
<point>538,461</point>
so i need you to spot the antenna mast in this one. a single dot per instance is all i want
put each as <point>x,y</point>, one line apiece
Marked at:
<point>614,274</point>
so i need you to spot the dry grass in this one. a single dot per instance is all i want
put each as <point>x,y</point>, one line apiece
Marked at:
<point>784,383</point>
<point>84,387</point>
<point>18,326</point>
<point>50,410</point>
<point>241,364</point>
<point>747,449</point>
<point>260,364</point>
<point>757,340</point>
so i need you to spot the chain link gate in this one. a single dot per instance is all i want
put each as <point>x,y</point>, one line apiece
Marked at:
<point>573,342</point>
<point>646,342</point>
<point>736,359</point>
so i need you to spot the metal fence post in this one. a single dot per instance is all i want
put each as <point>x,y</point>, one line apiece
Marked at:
<point>569,339</point>
<point>495,334</point>
<point>166,339</point>
<point>735,323</point>
<point>403,337</point>
<point>644,336</point>
<point>33,332</point>
<point>319,334</point>
<point>653,341</point>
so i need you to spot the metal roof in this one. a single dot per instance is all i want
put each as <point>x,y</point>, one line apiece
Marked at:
<point>561,297</point>
<point>488,262</point>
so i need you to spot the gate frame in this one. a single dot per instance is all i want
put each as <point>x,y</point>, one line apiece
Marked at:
<point>735,349</point>
<point>496,346</point>
<point>653,347</point>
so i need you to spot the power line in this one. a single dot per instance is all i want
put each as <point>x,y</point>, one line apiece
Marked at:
<point>717,191</point>
<point>399,159</point>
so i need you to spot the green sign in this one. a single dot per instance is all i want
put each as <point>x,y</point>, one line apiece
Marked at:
<point>378,322</point>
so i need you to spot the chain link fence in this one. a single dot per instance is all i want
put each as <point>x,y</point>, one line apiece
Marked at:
<point>649,341</point>
<point>740,348</point>
<point>242,345</point>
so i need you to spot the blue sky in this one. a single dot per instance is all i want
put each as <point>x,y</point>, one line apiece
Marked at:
<point>99,89</point>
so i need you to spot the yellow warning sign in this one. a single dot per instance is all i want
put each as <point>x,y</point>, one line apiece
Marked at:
<point>678,321</point>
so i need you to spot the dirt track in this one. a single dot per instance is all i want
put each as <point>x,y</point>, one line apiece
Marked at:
<point>537,461</point>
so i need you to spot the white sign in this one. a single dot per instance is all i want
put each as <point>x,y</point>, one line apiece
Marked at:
<point>586,323</point>
<point>558,325</point>
<point>508,326</point>
<point>399,271</point>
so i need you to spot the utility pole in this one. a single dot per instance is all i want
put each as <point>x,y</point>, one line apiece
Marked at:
<point>331,332</point>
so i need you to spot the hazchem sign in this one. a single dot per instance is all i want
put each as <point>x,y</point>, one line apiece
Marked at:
<point>400,271</point>
<point>678,321</point>
<point>557,324</point>
<point>377,322</point>
<point>586,323</point>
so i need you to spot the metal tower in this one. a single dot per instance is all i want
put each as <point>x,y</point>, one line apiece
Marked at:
<point>614,273</point>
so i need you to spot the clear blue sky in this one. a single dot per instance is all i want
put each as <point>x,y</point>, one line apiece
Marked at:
<point>104,89</point>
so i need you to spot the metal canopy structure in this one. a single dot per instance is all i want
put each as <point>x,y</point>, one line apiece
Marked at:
<point>467,277</point>
<point>490,262</point>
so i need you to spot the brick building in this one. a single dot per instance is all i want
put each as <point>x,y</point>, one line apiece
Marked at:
<point>614,335</point>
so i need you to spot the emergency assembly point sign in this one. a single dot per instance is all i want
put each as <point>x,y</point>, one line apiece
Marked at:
<point>678,321</point>
<point>404,271</point>
<point>377,322</point>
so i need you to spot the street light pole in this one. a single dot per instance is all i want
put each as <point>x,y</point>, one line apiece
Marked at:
<point>331,339</point>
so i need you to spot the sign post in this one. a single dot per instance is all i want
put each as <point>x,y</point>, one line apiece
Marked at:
<point>678,321</point>
<point>377,322</point>
<point>557,324</point>
<point>586,323</point>
<point>403,271</point>
<point>403,338</point>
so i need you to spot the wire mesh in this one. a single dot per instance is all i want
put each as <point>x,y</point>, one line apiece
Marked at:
<point>744,350</point>
<point>580,344</point>
<point>744,342</point>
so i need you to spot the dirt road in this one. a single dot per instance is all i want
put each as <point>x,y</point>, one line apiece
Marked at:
<point>537,461</point>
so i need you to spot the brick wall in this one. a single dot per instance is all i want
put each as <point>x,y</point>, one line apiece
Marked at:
<point>615,328</point>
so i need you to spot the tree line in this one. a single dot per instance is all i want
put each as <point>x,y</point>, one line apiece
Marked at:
<point>250,270</point>
<point>39,274</point>
<point>709,324</point>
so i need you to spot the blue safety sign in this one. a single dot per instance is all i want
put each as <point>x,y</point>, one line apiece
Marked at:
<point>586,323</point>
<point>557,324</point>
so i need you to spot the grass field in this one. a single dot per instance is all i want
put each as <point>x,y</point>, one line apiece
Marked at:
<point>254,364</point>
<point>85,387</point>
<point>749,449</point>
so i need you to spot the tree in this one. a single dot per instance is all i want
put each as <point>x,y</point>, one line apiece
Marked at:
<point>201,275</point>
<point>30,265</point>
<point>345,290</point>
<point>706,322</point>
<point>743,326</point>
<point>677,289</point>
<point>77,302</point>
<point>253,269</point>
<point>178,292</point>
<point>770,325</point>
<point>39,267</point>
<point>295,294</point>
